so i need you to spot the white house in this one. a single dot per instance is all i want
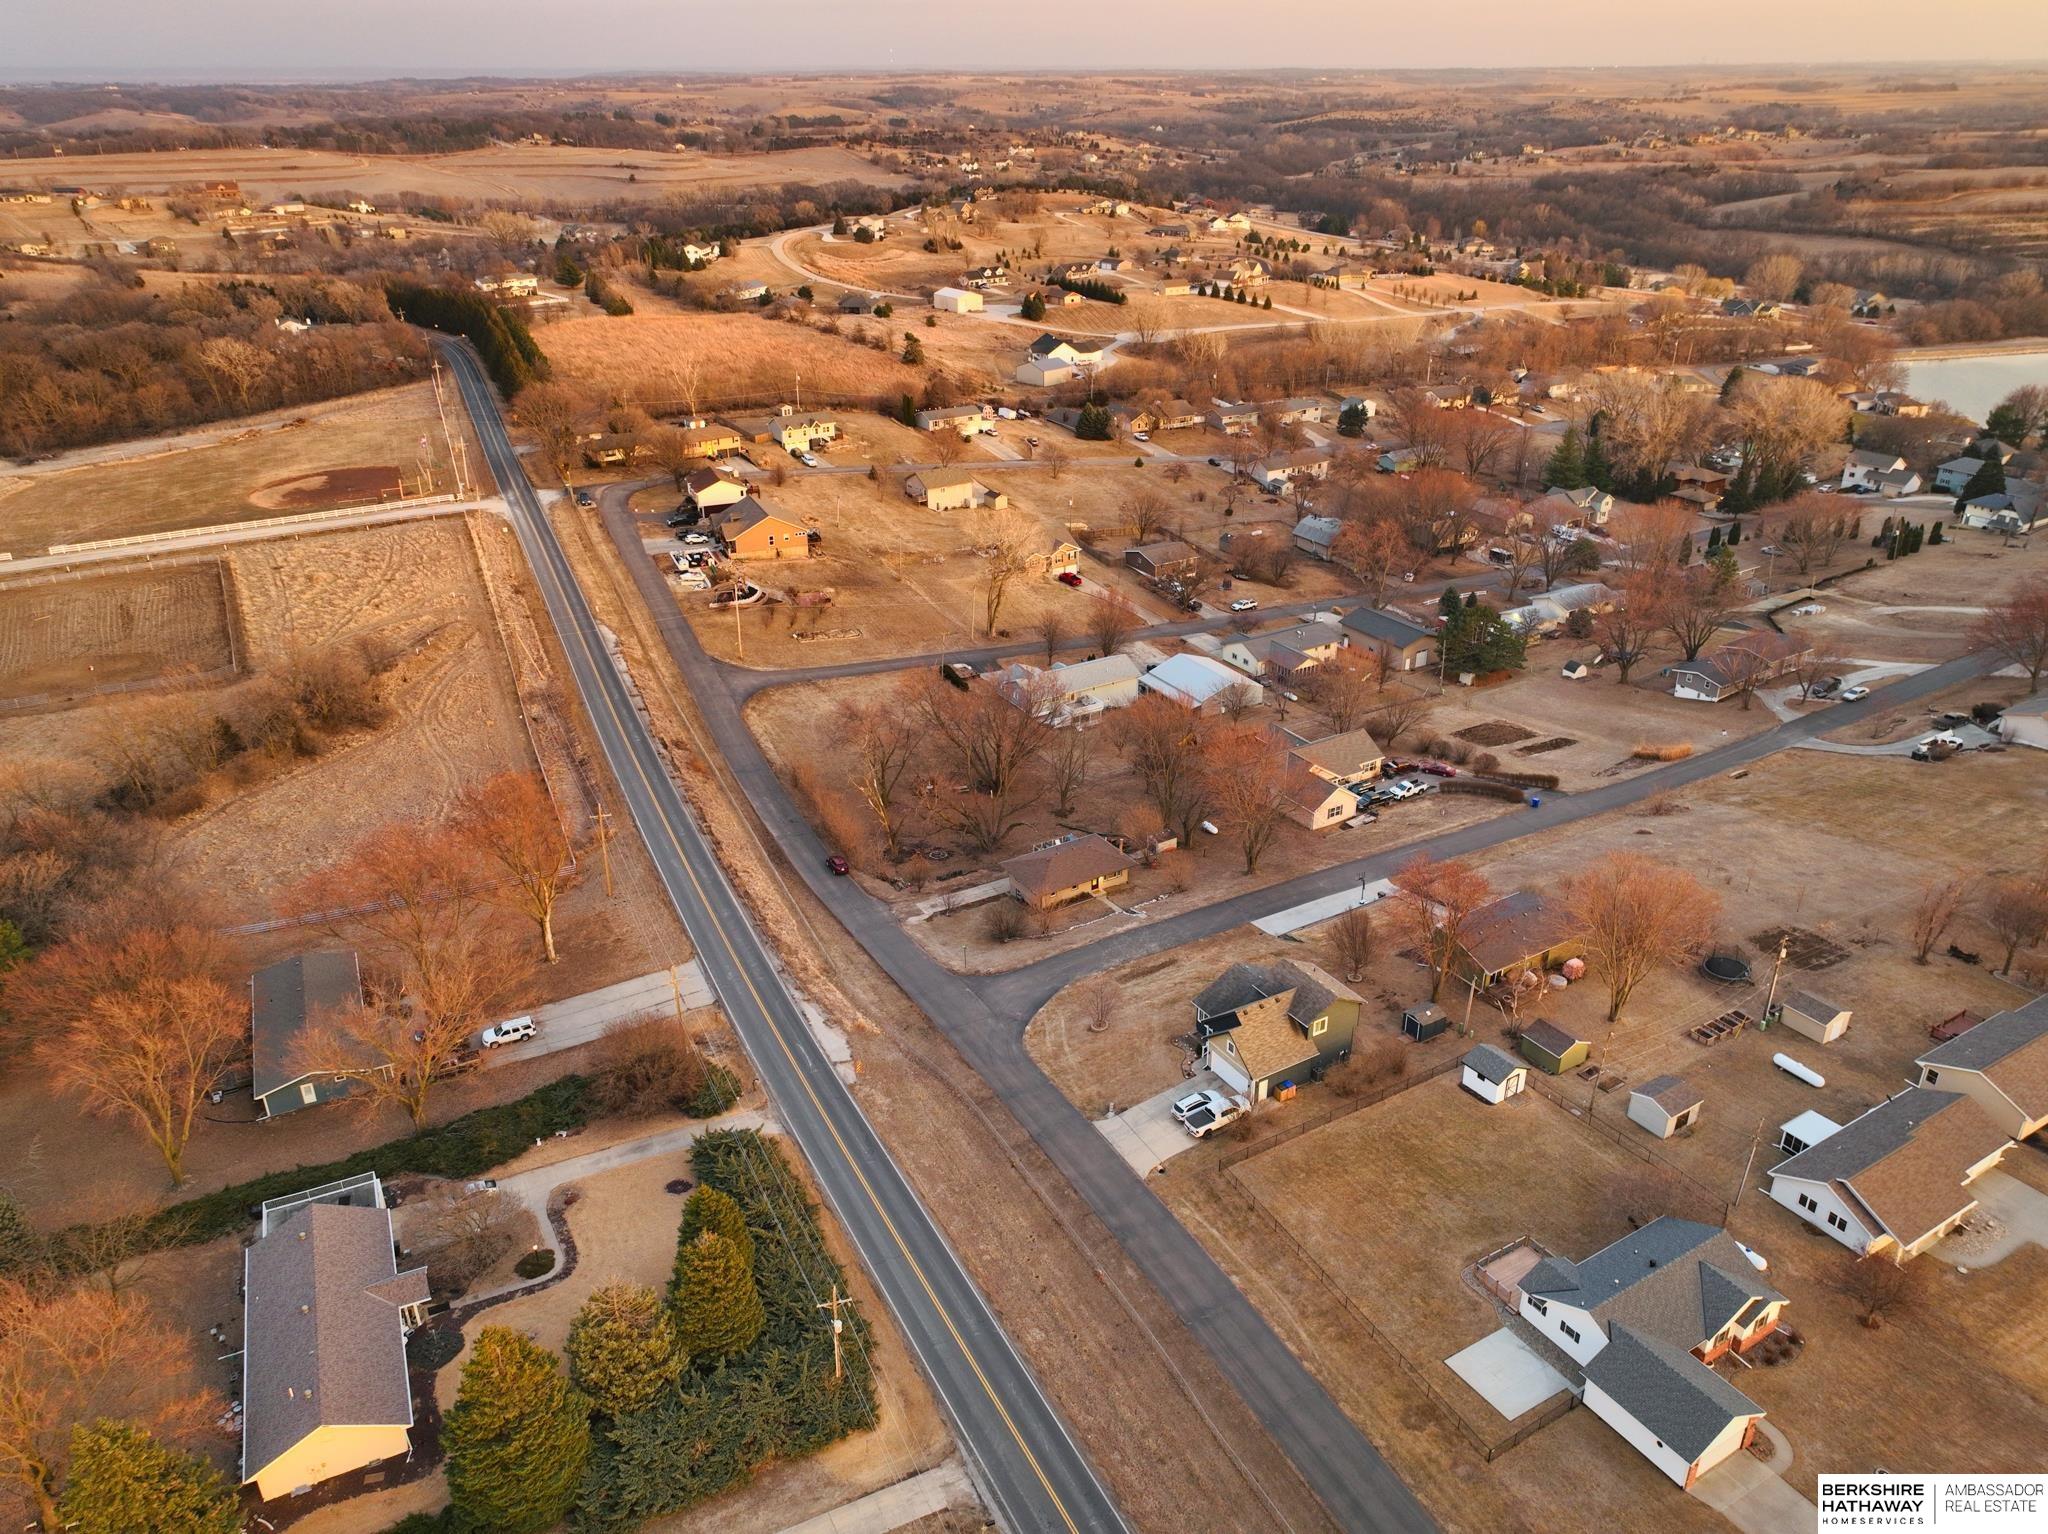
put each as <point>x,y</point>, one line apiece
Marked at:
<point>1072,693</point>
<point>2025,723</point>
<point>1862,467</point>
<point>1281,470</point>
<point>1317,536</point>
<point>1644,1319</point>
<point>1894,1180</point>
<point>957,300</point>
<point>1197,682</point>
<point>1492,1075</point>
<point>2001,1065</point>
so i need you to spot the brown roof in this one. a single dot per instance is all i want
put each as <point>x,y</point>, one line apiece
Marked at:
<point>1267,1039</point>
<point>1346,753</point>
<point>745,515</point>
<point>946,479</point>
<point>1516,927</point>
<point>1305,788</point>
<point>326,1343</point>
<point>1065,864</point>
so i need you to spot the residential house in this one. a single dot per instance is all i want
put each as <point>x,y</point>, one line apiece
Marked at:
<point>1400,644</point>
<point>1057,298</point>
<point>1868,304</point>
<point>288,1001</point>
<point>1551,611</point>
<point>1293,412</point>
<point>1282,470</point>
<point>708,439</point>
<point>701,255</point>
<point>1811,1018</point>
<point>1862,467</point>
<point>748,529</point>
<point>1071,692</point>
<point>1664,1105</point>
<point>1073,868</point>
<point>1199,683</point>
<point>1311,800</point>
<point>1897,482</point>
<point>1347,759</point>
<point>860,303</point>
<point>1491,1074</point>
<point>747,292</point>
<point>957,300</point>
<point>1266,1027</point>
<point>2020,507</point>
<point>2025,723</point>
<point>1448,396</point>
<point>1076,353</point>
<point>1398,460</point>
<point>1158,415</point>
<point>798,431</point>
<point>1367,409</point>
<point>511,285</point>
<point>1896,1179</point>
<point>951,490</point>
<point>1583,508</point>
<point>1317,536</point>
<point>1551,1049</point>
<point>612,449</point>
<point>713,489</point>
<point>1045,372</point>
<point>1282,653</point>
<point>1063,558</point>
<point>1644,1319</point>
<point>1162,559</point>
<point>326,1312</point>
<point>1752,308</point>
<point>2001,1065</point>
<point>968,420</point>
<point>1747,661</point>
<point>1954,476</point>
<point>1234,420</point>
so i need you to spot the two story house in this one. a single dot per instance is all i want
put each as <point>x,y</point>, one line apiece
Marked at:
<point>1266,1026</point>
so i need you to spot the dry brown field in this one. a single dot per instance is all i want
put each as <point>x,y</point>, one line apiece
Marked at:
<point>76,636</point>
<point>345,453</point>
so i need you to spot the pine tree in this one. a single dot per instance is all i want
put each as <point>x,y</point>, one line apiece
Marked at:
<point>1567,467</point>
<point>1093,424</point>
<point>1596,471</point>
<point>2008,422</point>
<point>718,1307</point>
<point>1034,307</point>
<point>22,1248</point>
<point>622,1348</point>
<point>123,1481</point>
<point>913,350</point>
<point>714,1210</point>
<point>1731,383</point>
<point>839,226</point>
<point>1351,421</point>
<point>1713,538</point>
<point>1724,563</point>
<point>1988,480</point>
<point>517,1436</point>
<point>906,410</point>
<point>1935,536</point>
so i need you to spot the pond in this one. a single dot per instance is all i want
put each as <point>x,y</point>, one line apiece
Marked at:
<point>1973,385</point>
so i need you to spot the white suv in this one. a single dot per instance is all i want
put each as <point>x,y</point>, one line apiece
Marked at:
<point>513,1031</point>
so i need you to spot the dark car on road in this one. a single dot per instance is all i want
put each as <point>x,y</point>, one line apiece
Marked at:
<point>838,864</point>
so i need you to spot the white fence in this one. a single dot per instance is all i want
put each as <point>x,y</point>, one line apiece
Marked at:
<point>222,529</point>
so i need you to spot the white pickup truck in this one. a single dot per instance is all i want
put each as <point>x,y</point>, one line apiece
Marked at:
<point>1214,1114</point>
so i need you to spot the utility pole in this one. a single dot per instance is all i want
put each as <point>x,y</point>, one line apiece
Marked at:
<point>1777,969</point>
<point>604,846</point>
<point>1742,1186</point>
<point>675,985</point>
<point>838,1325</point>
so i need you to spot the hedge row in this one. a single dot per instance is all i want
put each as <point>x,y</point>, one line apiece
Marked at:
<point>778,1400</point>
<point>1526,779</point>
<point>1482,787</point>
<point>510,354</point>
<point>462,1148</point>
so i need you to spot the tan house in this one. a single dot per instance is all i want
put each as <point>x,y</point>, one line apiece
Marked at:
<point>1266,1028</point>
<point>1518,933</point>
<point>951,490</point>
<point>2001,1065</point>
<point>1348,759</point>
<point>1281,653</point>
<point>704,439</point>
<point>1072,869</point>
<point>1400,644</point>
<point>1063,558</point>
<point>799,432</point>
<point>713,489</point>
<point>325,1316</point>
<point>1313,801</point>
<point>750,530</point>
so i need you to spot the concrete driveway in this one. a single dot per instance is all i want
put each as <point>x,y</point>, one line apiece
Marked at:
<point>1146,1134</point>
<point>581,1019</point>
<point>1753,1496</point>
<point>1507,1371</point>
<point>2010,1214</point>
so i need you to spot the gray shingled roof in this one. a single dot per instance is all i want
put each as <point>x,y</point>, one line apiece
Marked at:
<point>1244,983</point>
<point>1993,1039</point>
<point>1550,1038</point>
<point>283,998</point>
<point>1674,1395</point>
<point>1378,623</point>
<point>1873,1134</point>
<point>326,1343</point>
<point>1675,1279</point>
<point>1806,1004</point>
<point>1669,1093</point>
<point>1491,1064</point>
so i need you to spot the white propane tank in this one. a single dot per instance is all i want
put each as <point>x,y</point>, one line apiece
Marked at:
<point>1805,1073</point>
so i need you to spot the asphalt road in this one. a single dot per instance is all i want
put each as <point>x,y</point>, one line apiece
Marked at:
<point>1016,994</point>
<point>1026,1464</point>
<point>1336,1460</point>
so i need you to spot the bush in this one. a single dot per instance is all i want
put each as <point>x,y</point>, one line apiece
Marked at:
<point>1650,751</point>
<point>1485,762</point>
<point>537,1263</point>
<point>1007,922</point>
<point>720,1091</point>
<point>644,1066</point>
<point>1528,779</point>
<point>1485,788</point>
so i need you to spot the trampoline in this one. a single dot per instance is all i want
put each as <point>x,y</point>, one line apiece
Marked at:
<point>1728,968</point>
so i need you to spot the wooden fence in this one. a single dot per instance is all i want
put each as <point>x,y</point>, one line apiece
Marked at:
<point>1337,1110</point>
<point>1630,1139</point>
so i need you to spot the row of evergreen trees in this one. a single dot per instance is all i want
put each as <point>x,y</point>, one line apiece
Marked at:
<point>510,354</point>
<point>671,1399</point>
<point>1475,638</point>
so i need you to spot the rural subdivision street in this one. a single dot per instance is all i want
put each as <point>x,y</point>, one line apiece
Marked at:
<point>1334,1457</point>
<point>1028,1467</point>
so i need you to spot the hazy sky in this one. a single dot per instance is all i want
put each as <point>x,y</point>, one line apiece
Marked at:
<point>327,39</point>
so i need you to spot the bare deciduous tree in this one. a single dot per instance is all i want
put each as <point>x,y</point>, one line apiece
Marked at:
<point>882,752</point>
<point>1342,687</point>
<point>1693,605</point>
<point>2016,627</point>
<point>1812,529</point>
<point>555,413</point>
<point>1163,743</point>
<point>1007,540</point>
<point>1352,937</point>
<point>1940,897</point>
<point>1248,786</point>
<point>1438,899</point>
<point>1638,914</point>
<point>1396,711</point>
<point>1878,1286</point>
<point>1374,550</point>
<point>1066,760</point>
<point>1110,622</point>
<point>2015,908</point>
<point>1624,631</point>
<point>510,822</point>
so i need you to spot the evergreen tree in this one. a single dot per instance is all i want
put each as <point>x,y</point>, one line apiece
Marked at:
<point>1731,383</point>
<point>1351,421</point>
<point>1450,606</point>
<point>2008,422</point>
<point>517,1437</point>
<point>718,1307</point>
<point>1034,307</point>
<point>21,1245</point>
<point>913,350</point>
<point>1483,642</point>
<point>1596,471</point>
<point>1713,538</point>
<point>715,1211</point>
<point>1094,424</point>
<point>839,225</point>
<point>1724,563</point>
<point>1269,300</point>
<point>906,411</point>
<point>1988,480</point>
<point>1739,495</point>
<point>123,1481</point>
<point>622,1348</point>
<point>1935,536</point>
<point>1567,467</point>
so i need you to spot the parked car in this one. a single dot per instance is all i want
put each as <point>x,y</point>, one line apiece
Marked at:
<point>1827,687</point>
<point>696,540</point>
<point>1439,769</point>
<point>1204,1098</point>
<point>512,1031</point>
<point>1209,1118</point>
<point>1855,694</point>
<point>1404,788</point>
<point>1244,605</point>
<point>803,458</point>
<point>838,865</point>
<point>1070,578</point>
<point>1141,436</point>
<point>1808,610</point>
<point>584,498</point>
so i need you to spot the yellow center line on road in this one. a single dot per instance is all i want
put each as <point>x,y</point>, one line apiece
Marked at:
<point>593,660</point>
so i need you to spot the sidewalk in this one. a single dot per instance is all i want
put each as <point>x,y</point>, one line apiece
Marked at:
<point>892,1507</point>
